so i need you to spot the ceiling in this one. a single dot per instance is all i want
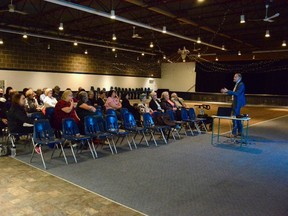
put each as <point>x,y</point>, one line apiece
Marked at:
<point>215,22</point>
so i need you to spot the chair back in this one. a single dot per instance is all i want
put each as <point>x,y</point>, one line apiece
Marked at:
<point>129,121</point>
<point>49,114</point>
<point>123,111</point>
<point>192,114</point>
<point>90,125</point>
<point>171,115</point>
<point>100,123</point>
<point>99,112</point>
<point>42,130</point>
<point>99,108</point>
<point>184,114</point>
<point>147,120</point>
<point>69,127</point>
<point>112,123</point>
<point>37,115</point>
<point>111,112</point>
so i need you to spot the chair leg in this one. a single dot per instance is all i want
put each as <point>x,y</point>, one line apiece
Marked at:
<point>42,157</point>
<point>90,148</point>
<point>128,142</point>
<point>163,135</point>
<point>73,153</point>
<point>133,140</point>
<point>197,127</point>
<point>114,145</point>
<point>192,133</point>
<point>144,136</point>
<point>110,145</point>
<point>94,149</point>
<point>153,137</point>
<point>64,155</point>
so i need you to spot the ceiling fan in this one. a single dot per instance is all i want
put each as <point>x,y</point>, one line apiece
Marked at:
<point>135,35</point>
<point>267,18</point>
<point>11,9</point>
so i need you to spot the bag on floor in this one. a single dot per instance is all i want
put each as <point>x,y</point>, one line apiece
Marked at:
<point>3,150</point>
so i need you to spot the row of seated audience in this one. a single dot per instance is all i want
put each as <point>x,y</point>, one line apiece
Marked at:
<point>18,107</point>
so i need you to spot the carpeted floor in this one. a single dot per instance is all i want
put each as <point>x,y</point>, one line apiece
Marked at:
<point>190,176</point>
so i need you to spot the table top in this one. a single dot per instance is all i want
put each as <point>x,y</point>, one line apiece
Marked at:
<point>231,118</point>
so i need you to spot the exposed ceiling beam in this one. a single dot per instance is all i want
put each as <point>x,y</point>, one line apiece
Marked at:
<point>122,19</point>
<point>73,40</point>
<point>183,20</point>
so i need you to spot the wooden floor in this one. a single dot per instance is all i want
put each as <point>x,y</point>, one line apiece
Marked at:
<point>25,190</point>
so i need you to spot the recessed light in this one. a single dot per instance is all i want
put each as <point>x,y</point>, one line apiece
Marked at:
<point>267,33</point>
<point>86,52</point>
<point>164,29</point>
<point>114,37</point>
<point>75,43</point>
<point>199,40</point>
<point>25,36</point>
<point>151,45</point>
<point>283,43</point>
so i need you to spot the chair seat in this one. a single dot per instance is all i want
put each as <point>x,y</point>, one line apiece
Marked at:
<point>77,138</point>
<point>48,141</point>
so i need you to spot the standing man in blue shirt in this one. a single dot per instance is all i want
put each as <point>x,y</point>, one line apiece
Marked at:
<point>238,101</point>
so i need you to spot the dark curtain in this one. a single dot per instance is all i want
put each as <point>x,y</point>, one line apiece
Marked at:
<point>260,77</point>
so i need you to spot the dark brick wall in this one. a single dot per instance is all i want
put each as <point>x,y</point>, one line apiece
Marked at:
<point>32,54</point>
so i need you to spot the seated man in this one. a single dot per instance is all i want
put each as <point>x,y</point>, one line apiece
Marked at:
<point>179,102</point>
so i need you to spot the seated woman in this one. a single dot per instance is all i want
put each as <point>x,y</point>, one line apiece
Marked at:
<point>91,98</point>
<point>113,101</point>
<point>167,104</point>
<point>154,103</point>
<point>17,116</point>
<point>101,100</point>
<point>83,109</point>
<point>31,104</point>
<point>179,102</point>
<point>64,109</point>
<point>49,100</point>
<point>143,107</point>
<point>132,109</point>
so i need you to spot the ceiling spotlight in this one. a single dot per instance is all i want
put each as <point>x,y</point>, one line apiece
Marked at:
<point>61,27</point>
<point>1,41</point>
<point>199,55</point>
<point>283,43</point>
<point>242,18</point>
<point>75,43</point>
<point>199,40</point>
<point>48,47</point>
<point>216,59</point>
<point>112,16</point>
<point>25,35</point>
<point>239,53</point>
<point>114,37</point>
<point>253,57</point>
<point>164,29</point>
<point>86,52</point>
<point>116,55</point>
<point>142,54</point>
<point>267,33</point>
<point>223,47</point>
<point>151,45</point>
<point>113,50</point>
<point>164,56</point>
<point>200,1</point>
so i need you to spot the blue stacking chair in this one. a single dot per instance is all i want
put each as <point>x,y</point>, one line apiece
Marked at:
<point>152,128</point>
<point>111,112</point>
<point>197,121</point>
<point>92,129</point>
<point>43,134</point>
<point>112,127</point>
<point>70,132</point>
<point>185,118</point>
<point>37,115</point>
<point>98,112</point>
<point>123,111</point>
<point>131,125</point>
<point>49,114</point>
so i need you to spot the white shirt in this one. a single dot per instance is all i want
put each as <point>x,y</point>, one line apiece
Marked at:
<point>50,102</point>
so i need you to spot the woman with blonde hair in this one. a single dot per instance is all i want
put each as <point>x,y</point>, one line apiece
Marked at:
<point>49,100</point>
<point>64,109</point>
